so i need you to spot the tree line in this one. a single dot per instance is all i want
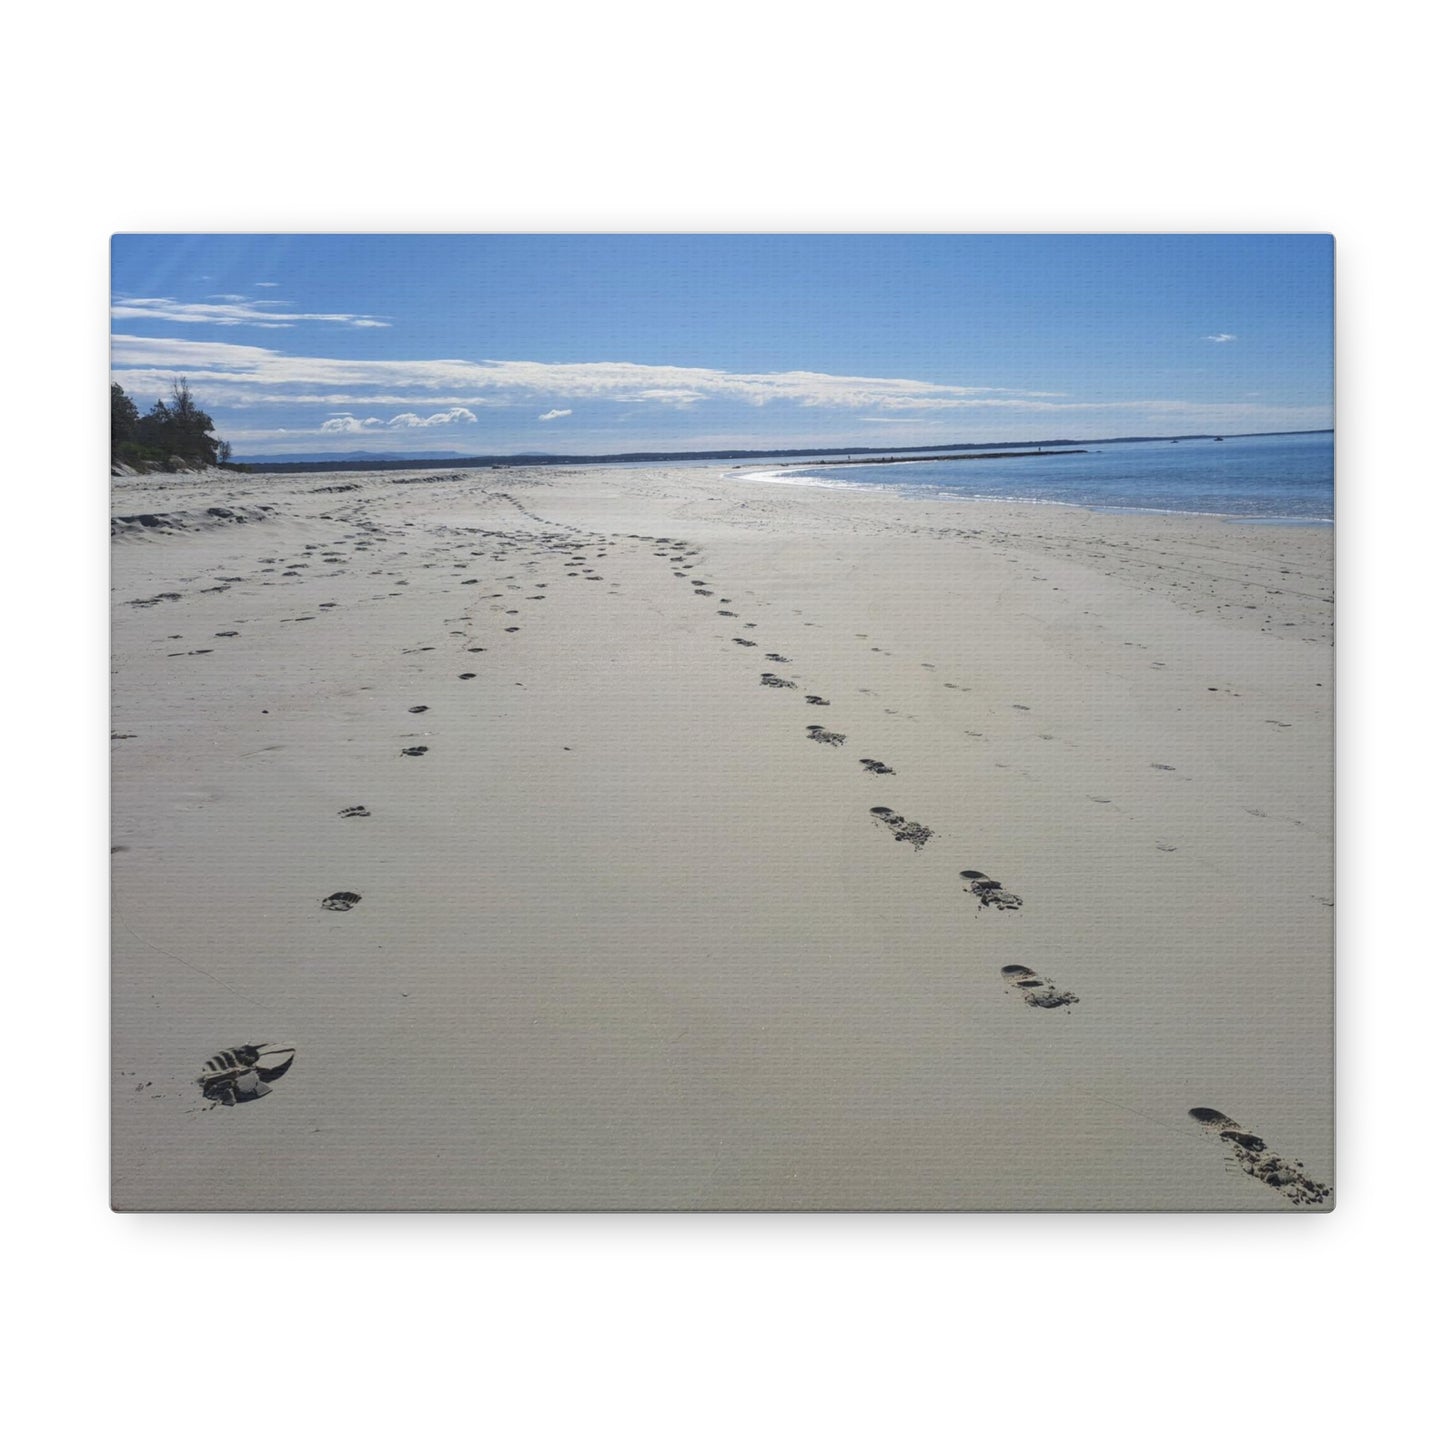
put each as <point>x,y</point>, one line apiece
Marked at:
<point>169,436</point>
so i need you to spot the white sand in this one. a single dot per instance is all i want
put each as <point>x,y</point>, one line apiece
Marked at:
<point>627,937</point>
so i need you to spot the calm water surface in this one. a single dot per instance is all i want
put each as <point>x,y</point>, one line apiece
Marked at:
<point>1288,478</point>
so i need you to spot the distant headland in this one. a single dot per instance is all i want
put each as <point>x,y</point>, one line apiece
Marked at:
<point>945,451</point>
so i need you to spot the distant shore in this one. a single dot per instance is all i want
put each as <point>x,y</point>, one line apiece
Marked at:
<point>943,457</point>
<point>373,462</point>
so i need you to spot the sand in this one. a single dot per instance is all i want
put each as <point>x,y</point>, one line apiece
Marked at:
<point>630,936</point>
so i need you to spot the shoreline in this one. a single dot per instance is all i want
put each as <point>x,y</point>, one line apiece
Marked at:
<point>1098,508</point>
<point>947,457</point>
<point>943,494</point>
<point>631,929</point>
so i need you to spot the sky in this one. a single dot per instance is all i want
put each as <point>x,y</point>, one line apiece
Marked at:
<point>429,345</point>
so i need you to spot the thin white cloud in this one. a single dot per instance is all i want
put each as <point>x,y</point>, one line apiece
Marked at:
<point>403,422</point>
<point>442,418</point>
<point>177,351</point>
<point>228,311</point>
<point>230,375</point>
<point>555,413</point>
<point>679,397</point>
<point>265,283</point>
<point>1221,336</point>
<point>233,370</point>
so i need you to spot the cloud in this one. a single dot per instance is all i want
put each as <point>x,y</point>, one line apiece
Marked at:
<point>441,418</point>
<point>407,419</point>
<point>240,373</point>
<point>679,397</point>
<point>232,375</point>
<point>555,413</point>
<point>1222,336</point>
<point>228,311</point>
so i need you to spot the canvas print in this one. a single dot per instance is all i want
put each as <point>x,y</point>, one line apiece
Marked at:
<point>722,722</point>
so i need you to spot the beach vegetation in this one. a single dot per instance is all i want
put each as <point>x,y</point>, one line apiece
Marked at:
<point>123,417</point>
<point>173,435</point>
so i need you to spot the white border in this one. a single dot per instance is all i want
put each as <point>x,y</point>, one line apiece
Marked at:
<point>1110,117</point>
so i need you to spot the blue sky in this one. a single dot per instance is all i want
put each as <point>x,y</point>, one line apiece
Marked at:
<point>419,345</point>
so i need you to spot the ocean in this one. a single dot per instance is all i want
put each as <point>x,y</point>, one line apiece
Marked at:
<point>1258,479</point>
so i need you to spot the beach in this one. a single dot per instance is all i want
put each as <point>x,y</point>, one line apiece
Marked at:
<point>716,843</point>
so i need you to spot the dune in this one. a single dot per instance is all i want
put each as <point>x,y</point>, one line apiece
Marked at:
<point>655,838</point>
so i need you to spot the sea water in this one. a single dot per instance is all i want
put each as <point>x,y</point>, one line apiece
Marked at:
<point>1268,478</point>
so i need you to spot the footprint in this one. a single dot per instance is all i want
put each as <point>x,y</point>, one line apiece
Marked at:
<point>359,811</point>
<point>771,679</point>
<point>466,676</point>
<point>820,735</point>
<point>743,642</point>
<point>420,707</point>
<point>778,657</point>
<point>413,752</point>
<point>901,828</point>
<point>244,1072</point>
<point>341,902</point>
<point>874,766</point>
<point>1260,1162</point>
<point>1038,992</point>
<point>989,893</point>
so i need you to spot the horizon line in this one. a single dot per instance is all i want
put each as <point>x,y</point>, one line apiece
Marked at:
<point>726,453</point>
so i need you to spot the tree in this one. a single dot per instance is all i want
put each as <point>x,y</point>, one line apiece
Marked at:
<point>181,429</point>
<point>190,427</point>
<point>123,418</point>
